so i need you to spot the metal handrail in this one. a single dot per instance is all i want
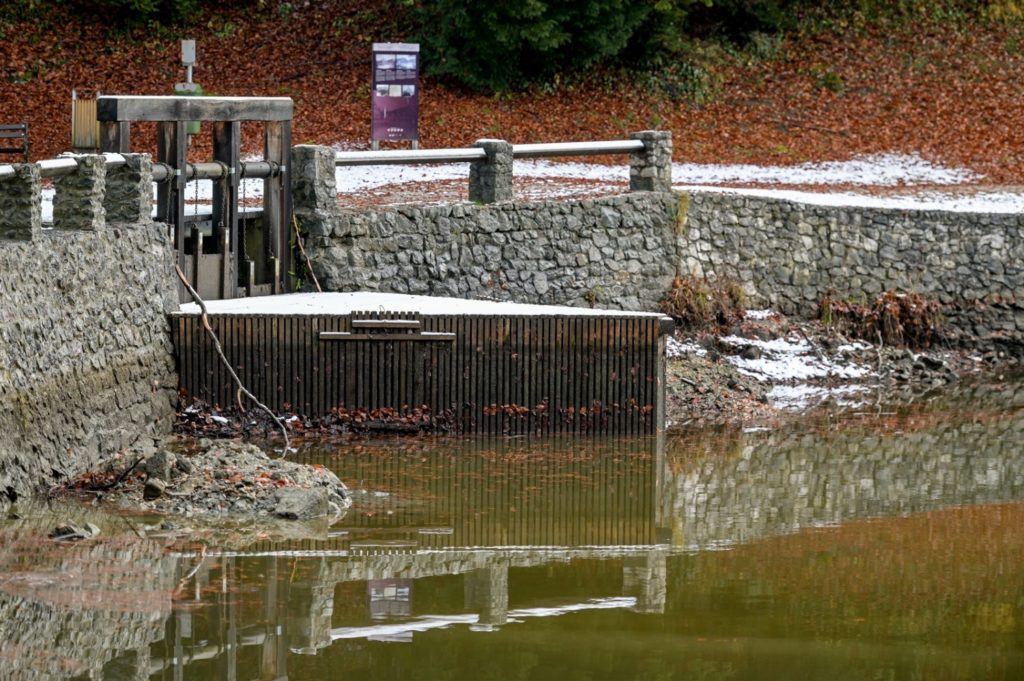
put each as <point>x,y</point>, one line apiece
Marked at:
<point>548,150</point>
<point>374,158</point>
<point>60,167</point>
<point>66,165</point>
<point>555,149</point>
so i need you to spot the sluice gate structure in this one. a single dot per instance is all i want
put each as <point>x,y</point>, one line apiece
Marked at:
<point>97,280</point>
<point>412,362</point>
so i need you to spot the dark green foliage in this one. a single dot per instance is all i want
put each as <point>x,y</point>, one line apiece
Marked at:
<point>675,46</point>
<point>133,12</point>
<point>500,45</point>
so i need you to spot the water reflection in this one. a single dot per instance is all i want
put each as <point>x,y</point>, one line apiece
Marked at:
<point>889,549</point>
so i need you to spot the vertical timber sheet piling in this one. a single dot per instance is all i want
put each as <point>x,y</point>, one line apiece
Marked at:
<point>510,375</point>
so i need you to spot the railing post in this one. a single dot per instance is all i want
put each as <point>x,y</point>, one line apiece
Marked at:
<point>314,187</point>
<point>129,195</point>
<point>490,180</point>
<point>21,204</point>
<point>78,202</point>
<point>650,170</point>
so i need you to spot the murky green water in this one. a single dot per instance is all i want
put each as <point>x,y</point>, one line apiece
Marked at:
<point>887,545</point>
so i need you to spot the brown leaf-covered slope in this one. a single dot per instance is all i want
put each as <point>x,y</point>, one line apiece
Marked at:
<point>950,94</point>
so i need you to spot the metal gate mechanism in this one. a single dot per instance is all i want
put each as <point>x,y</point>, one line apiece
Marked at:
<point>225,254</point>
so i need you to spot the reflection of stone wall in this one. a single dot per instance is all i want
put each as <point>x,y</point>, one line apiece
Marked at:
<point>779,483</point>
<point>81,605</point>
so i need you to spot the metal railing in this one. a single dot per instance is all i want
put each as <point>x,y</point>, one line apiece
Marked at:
<point>549,150</point>
<point>66,165</point>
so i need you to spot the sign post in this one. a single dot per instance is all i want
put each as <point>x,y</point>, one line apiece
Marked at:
<point>396,92</point>
<point>188,88</point>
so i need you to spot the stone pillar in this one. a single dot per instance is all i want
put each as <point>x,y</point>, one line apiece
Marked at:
<point>650,170</point>
<point>490,180</point>
<point>21,204</point>
<point>78,202</point>
<point>129,195</point>
<point>314,187</point>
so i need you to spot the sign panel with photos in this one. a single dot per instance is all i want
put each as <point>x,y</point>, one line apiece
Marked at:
<point>396,91</point>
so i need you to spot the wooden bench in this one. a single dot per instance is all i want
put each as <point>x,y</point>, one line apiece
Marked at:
<point>14,139</point>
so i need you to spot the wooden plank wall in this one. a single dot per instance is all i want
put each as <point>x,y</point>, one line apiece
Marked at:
<point>501,375</point>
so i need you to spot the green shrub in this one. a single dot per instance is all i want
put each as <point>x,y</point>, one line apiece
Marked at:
<point>496,46</point>
<point>128,12</point>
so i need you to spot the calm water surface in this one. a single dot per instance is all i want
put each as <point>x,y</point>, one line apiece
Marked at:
<point>885,545</point>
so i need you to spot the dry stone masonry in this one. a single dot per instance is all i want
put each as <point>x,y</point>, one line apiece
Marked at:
<point>623,251</point>
<point>85,355</point>
<point>613,253</point>
<point>788,255</point>
<point>490,181</point>
<point>651,169</point>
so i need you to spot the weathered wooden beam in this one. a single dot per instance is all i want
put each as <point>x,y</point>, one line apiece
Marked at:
<point>115,137</point>
<point>131,108</point>
<point>425,336</point>
<point>226,141</point>
<point>171,149</point>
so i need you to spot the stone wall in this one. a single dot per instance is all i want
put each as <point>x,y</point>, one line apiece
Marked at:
<point>788,255</point>
<point>614,252</point>
<point>623,251</point>
<point>85,357</point>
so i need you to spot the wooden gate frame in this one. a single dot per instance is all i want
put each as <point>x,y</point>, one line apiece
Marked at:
<point>172,115</point>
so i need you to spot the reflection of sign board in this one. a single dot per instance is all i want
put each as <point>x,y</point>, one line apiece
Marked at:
<point>396,91</point>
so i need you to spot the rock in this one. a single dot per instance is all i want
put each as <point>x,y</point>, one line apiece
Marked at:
<point>751,352</point>
<point>184,465</point>
<point>154,489</point>
<point>159,465</point>
<point>301,504</point>
<point>72,532</point>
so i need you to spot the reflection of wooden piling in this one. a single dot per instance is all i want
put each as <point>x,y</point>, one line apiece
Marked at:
<point>495,375</point>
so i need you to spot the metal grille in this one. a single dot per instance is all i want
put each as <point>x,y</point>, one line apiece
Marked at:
<point>473,374</point>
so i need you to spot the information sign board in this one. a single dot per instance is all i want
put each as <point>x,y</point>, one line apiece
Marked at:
<point>396,91</point>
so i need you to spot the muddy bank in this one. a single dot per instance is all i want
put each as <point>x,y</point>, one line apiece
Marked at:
<point>768,368</point>
<point>215,479</point>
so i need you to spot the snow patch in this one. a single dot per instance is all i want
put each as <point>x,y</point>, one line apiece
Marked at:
<point>802,396</point>
<point>676,348</point>
<point>883,170</point>
<point>977,202</point>
<point>788,360</point>
<point>346,303</point>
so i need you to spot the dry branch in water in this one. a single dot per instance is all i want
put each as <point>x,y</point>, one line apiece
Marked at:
<point>220,353</point>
